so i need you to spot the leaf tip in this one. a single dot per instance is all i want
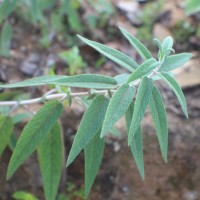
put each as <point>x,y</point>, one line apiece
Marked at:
<point>68,162</point>
<point>8,175</point>
<point>143,177</point>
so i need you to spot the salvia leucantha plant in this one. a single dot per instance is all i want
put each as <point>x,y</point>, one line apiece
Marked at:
<point>108,99</point>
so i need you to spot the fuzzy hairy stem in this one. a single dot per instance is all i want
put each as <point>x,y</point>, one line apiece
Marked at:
<point>49,96</point>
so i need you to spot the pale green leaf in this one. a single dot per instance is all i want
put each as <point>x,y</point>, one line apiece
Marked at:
<point>6,129</point>
<point>192,6</point>
<point>83,81</point>
<point>141,49</point>
<point>41,80</point>
<point>167,44</point>
<point>5,40</point>
<point>122,78</point>
<point>136,144</point>
<point>175,61</point>
<point>141,103</point>
<point>113,54</point>
<point>93,158</point>
<point>17,118</point>
<point>50,159</point>
<point>159,117</point>
<point>94,81</point>
<point>6,7</point>
<point>34,133</point>
<point>21,195</point>
<point>143,69</point>
<point>177,90</point>
<point>90,125</point>
<point>118,105</point>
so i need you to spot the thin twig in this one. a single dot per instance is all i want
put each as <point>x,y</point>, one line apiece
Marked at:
<point>48,96</point>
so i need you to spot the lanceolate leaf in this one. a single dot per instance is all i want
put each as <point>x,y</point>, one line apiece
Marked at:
<point>143,69</point>
<point>41,80</point>
<point>122,78</point>
<point>141,103</point>
<point>159,117</point>
<point>5,40</point>
<point>95,81</point>
<point>118,105</point>
<point>83,81</point>
<point>90,125</point>
<point>114,55</point>
<point>34,133</point>
<point>93,158</point>
<point>175,61</point>
<point>50,157</point>
<point>6,129</point>
<point>177,90</point>
<point>167,44</point>
<point>136,144</point>
<point>141,49</point>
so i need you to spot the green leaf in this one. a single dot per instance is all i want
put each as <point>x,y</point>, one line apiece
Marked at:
<point>122,78</point>
<point>12,142</point>
<point>35,11</point>
<point>143,69</point>
<point>192,6</point>
<point>34,133</point>
<point>167,44</point>
<point>141,103</point>
<point>114,55</point>
<point>177,90</point>
<point>118,105</point>
<point>72,15</point>
<point>136,144</point>
<point>50,157</point>
<point>93,158</point>
<point>175,61</point>
<point>83,81</point>
<point>17,118</point>
<point>141,49</point>
<point>21,195</point>
<point>94,81</point>
<point>6,7</point>
<point>159,117</point>
<point>90,125</point>
<point>41,80</point>
<point>5,40</point>
<point>6,129</point>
